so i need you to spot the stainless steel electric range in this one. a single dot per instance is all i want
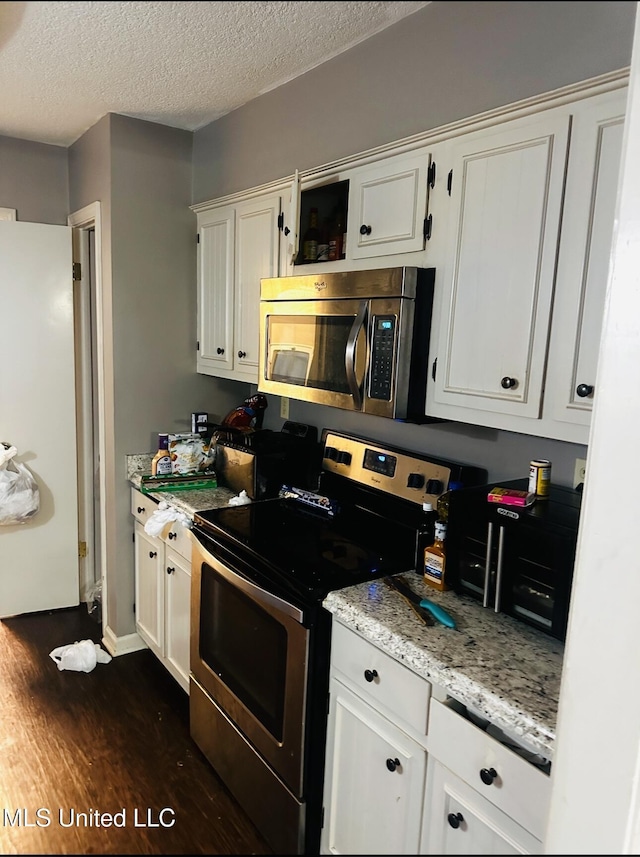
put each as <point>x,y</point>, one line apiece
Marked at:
<point>260,639</point>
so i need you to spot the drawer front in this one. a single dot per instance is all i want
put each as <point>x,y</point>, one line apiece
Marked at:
<point>519,789</point>
<point>179,537</point>
<point>142,506</point>
<point>389,686</point>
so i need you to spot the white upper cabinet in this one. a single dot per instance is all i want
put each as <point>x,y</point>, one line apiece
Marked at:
<point>583,262</point>
<point>506,190</point>
<point>239,244</point>
<point>388,206</point>
<point>524,276</point>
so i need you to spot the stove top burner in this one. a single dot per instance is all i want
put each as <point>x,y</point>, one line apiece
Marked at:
<point>316,553</point>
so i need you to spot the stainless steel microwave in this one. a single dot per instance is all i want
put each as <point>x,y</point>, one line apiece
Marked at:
<point>357,340</point>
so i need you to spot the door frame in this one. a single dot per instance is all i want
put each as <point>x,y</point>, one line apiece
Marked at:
<point>84,221</point>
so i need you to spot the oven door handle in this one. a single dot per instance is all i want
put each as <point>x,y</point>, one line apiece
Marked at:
<point>200,553</point>
<point>350,354</point>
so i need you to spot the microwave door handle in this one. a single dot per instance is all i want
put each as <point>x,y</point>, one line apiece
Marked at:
<point>487,566</point>
<point>499,570</point>
<point>350,354</point>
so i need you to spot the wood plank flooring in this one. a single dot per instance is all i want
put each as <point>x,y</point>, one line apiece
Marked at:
<point>74,746</point>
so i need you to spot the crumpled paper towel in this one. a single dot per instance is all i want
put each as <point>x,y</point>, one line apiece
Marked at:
<point>241,500</point>
<point>163,515</point>
<point>80,657</point>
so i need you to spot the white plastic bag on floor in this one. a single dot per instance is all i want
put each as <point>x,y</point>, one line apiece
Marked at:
<point>19,494</point>
<point>79,657</point>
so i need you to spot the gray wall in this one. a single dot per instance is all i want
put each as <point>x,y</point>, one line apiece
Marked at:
<point>140,172</point>
<point>34,180</point>
<point>446,62</point>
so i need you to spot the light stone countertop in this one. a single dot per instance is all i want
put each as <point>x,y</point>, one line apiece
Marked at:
<point>498,667</point>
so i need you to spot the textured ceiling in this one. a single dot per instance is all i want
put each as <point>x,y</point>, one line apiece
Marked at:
<point>64,65</point>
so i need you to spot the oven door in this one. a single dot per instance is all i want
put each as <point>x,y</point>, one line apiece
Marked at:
<point>250,653</point>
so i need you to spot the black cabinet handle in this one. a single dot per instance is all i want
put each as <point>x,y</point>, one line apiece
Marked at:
<point>140,509</point>
<point>242,354</point>
<point>365,230</point>
<point>584,390</point>
<point>370,675</point>
<point>219,350</point>
<point>170,569</point>
<point>173,536</point>
<point>508,383</point>
<point>392,764</point>
<point>488,775</point>
<point>152,554</point>
<point>455,819</point>
<point>286,230</point>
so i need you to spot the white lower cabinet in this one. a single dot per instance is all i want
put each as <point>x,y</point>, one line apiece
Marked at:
<point>409,774</point>
<point>458,820</point>
<point>374,781</point>
<point>163,590</point>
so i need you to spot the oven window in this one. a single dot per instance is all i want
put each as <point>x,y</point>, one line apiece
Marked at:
<point>309,350</point>
<point>246,647</point>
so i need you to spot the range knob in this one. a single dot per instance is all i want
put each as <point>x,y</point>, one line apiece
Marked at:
<point>344,457</point>
<point>331,453</point>
<point>434,486</point>
<point>415,480</point>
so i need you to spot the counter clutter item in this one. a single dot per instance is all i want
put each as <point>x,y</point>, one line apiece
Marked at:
<point>187,501</point>
<point>496,666</point>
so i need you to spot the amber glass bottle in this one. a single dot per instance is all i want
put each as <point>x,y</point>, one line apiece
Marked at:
<point>311,238</point>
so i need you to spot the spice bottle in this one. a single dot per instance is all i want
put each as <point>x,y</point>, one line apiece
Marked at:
<point>161,462</point>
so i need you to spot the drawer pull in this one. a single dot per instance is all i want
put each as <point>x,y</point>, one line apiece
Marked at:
<point>141,509</point>
<point>173,535</point>
<point>488,775</point>
<point>370,675</point>
<point>392,764</point>
<point>170,569</point>
<point>455,819</point>
<point>152,554</point>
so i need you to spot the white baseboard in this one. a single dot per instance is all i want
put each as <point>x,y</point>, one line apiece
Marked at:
<point>122,645</point>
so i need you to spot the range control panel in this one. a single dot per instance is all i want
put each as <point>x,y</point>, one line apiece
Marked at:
<point>407,475</point>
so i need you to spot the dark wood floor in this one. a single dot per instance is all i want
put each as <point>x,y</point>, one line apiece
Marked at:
<point>115,740</point>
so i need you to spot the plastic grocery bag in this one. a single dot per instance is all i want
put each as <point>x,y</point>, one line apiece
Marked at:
<point>19,494</point>
<point>79,657</point>
<point>163,515</point>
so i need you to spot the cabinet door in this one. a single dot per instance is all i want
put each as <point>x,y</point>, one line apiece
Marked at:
<point>458,820</point>
<point>583,262</point>
<point>177,615</point>
<point>388,206</point>
<point>216,230</point>
<point>374,781</point>
<point>257,254</point>
<point>149,589</point>
<point>506,196</point>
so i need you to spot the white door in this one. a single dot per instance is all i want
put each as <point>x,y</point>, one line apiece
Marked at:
<point>39,560</point>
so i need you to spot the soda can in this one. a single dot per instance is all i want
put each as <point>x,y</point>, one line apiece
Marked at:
<point>539,477</point>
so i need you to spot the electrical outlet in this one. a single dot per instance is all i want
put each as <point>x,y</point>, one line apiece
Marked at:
<point>579,472</point>
<point>284,408</point>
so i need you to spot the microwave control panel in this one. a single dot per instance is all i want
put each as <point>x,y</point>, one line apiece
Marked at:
<point>382,350</point>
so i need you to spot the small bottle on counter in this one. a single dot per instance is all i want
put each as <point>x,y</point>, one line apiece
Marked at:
<point>435,559</point>
<point>425,534</point>
<point>161,462</point>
